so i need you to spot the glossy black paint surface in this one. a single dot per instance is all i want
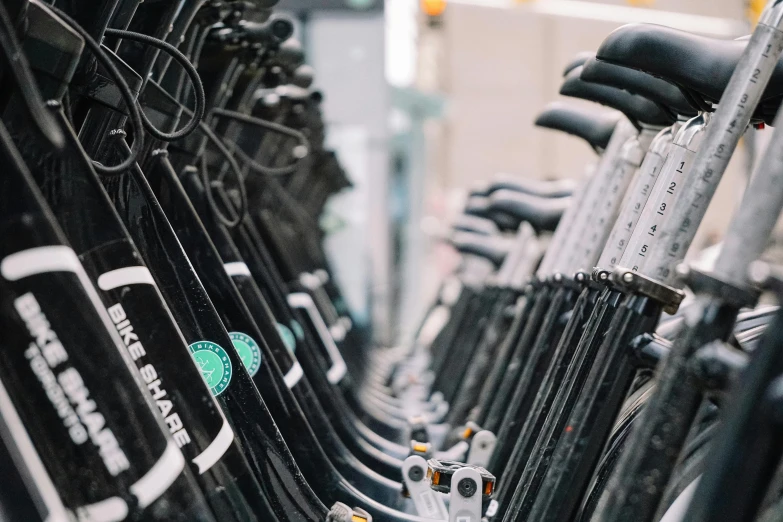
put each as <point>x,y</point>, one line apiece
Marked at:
<point>538,462</point>
<point>592,417</point>
<point>519,359</point>
<point>68,304</point>
<point>553,381</point>
<point>532,377</point>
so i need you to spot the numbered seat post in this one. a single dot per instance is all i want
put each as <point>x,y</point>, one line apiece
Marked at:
<point>659,208</point>
<point>721,136</point>
<point>525,269</point>
<point>517,256</point>
<point>606,212</point>
<point>585,223</point>
<point>555,248</point>
<point>638,484</point>
<point>636,199</point>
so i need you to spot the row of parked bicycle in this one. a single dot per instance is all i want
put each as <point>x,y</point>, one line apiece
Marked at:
<point>173,345</point>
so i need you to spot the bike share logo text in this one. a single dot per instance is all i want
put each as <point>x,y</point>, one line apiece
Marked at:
<point>248,350</point>
<point>67,391</point>
<point>214,364</point>
<point>149,375</point>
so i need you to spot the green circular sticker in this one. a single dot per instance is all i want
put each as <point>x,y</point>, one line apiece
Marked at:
<point>288,337</point>
<point>298,330</point>
<point>214,364</point>
<point>248,351</point>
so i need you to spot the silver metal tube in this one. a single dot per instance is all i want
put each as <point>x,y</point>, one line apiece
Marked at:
<point>475,270</point>
<point>636,198</point>
<point>605,215</point>
<point>753,222</point>
<point>599,187</point>
<point>720,139</point>
<point>564,226</point>
<point>675,174</point>
<point>507,266</point>
<point>525,234</point>
<point>527,264</point>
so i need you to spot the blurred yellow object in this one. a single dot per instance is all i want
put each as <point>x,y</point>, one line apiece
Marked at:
<point>433,7</point>
<point>754,9</point>
<point>641,3</point>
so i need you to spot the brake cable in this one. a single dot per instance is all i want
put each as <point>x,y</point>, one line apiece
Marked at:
<point>243,204</point>
<point>190,70</point>
<point>272,126</point>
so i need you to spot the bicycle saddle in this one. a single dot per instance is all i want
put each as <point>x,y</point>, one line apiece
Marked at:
<point>479,206</point>
<point>700,66</point>
<point>663,93</point>
<point>542,213</point>
<point>536,187</point>
<point>638,109</point>
<point>475,224</point>
<point>593,127</point>
<point>578,60</point>
<point>493,249</point>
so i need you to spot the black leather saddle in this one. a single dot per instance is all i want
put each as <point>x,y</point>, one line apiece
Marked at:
<point>578,60</point>
<point>556,188</point>
<point>593,127</point>
<point>493,248</point>
<point>666,95</point>
<point>638,109</point>
<point>542,213</point>
<point>479,206</point>
<point>701,67</point>
<point>475,224</point>
<point>537,187</point>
